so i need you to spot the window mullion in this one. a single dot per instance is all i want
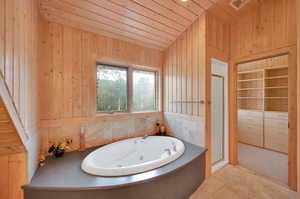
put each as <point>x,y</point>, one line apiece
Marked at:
<point>130,89</point>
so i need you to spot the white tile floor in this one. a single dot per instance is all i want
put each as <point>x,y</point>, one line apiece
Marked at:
<point>234,182</point>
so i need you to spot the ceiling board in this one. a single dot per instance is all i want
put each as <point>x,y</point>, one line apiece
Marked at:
<point>152,23</point>
<point>225,5</point>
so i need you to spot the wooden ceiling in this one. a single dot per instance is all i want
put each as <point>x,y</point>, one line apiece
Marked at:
<point>10,142</point>
<point>152,23</point>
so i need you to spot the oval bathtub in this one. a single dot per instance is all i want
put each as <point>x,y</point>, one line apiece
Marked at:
<point>133,156</point>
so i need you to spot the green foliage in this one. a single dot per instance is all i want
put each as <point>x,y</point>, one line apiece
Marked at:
<point>144,92</point>
<point>111,89</point>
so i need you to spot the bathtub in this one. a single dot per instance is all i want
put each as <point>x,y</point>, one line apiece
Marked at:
<point>133,156</point>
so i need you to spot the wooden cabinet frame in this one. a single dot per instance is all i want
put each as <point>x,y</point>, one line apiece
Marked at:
<point>292,108</point>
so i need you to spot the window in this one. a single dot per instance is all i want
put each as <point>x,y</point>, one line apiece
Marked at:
<point>125,89</point>
<point>144,90</point>
<point>112,89</point>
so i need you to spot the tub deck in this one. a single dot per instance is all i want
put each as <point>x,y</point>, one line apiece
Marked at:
<point>63,177</point>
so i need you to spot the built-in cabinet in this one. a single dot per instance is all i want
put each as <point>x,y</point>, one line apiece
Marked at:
<point>262,98</point>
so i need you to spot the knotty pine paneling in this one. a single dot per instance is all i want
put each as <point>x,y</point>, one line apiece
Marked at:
<point>67,77</point>
<point>18,76</point>
<point>10,141</point>
<point>67,74</point>
<point>298,94</point>
<point>18,55</point>
<point>217,47</point>
<point>187,71</point>
<point>266,25</point>
<point>218,35</point>
<point>13,175</point>
<point>152,23</point>
<point>184,80</point>
<point>187,65</point>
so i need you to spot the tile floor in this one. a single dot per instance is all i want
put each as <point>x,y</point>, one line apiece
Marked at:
<point>235,182</point>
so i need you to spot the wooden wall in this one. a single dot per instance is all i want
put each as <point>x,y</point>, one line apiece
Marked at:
<point>185,64</point>
<point>298,93</point>
<point>267,29</point>
<point>13,169</point>
<point>218,47</point>
<point>187,69</point>
<point>184,72</point>
<point>67,76</point>
<point>10,142</point>
<point>18,86</point>
<point>266,25</point>
<point>18,55</point>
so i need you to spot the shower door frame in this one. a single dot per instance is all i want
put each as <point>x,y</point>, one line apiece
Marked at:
<point>223,123</point>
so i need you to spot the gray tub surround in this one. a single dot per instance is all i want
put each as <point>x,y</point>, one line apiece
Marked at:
<point>186,127</point>
<point>63,178</point>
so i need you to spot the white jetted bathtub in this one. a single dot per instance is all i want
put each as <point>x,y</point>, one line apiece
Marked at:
<point>133,156</point>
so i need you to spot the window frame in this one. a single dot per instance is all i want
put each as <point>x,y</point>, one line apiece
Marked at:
<point>130,70</point>
<point>127,83</point>
<point>156,89</point>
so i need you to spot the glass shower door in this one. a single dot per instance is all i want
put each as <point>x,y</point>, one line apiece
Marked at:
<point>217,118</point>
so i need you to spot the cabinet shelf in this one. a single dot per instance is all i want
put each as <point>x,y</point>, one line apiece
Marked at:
<point>250,80</point>
<point>263,103</point>
<point>277,87</point>
<point>250,71</point>
<point>277,77</point>
<point>276,97</point>
<point>246,89</point>
<point>250,98</point>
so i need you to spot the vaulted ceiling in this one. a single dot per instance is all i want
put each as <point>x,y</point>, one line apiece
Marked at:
<point>152,23</point>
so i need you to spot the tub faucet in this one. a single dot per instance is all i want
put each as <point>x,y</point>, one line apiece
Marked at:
<point>145,137</point>
<point>169,151</point>
<point>174,147</point>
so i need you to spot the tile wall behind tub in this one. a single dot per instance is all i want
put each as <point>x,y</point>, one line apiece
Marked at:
<point>188,128</point>
<point>98,132</point>
<point>104,132</point>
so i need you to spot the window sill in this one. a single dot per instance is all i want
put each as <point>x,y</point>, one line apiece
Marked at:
<point>121,115</point>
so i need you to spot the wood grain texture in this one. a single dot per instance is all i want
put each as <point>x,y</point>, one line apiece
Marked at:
<point>67,74</point>
<point>151,23</point>
<point>67,78</point>
<point>217,47</point>
<point>13,175</point>
<point>18,86</point>
<point>264,26</point>
<point>267,29</point>
<point>18,65</point>
<point>292,105</point>
<point>276,131</point>
<point>10,141</point>
<point>298,92</point>
<point>182,65</point>
<point>251,127</point>
<point>187,70</point>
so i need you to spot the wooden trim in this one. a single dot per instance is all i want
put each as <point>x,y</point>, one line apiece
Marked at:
<point>233,114</point>
<point>264,148</point>
<point>298,91</point>
<point>292,107</point>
